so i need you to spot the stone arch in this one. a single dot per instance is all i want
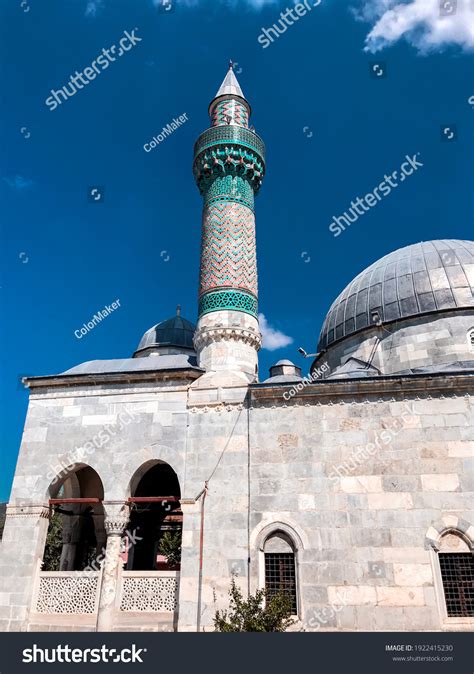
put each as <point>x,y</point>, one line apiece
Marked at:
<point>63,469</point>
<point>449,524</point>
<point>76,533</point>
<point>148,455</point>
<point>67,477</point>
<point>141,471</point>
<point>154,523</point>
<point>266,528</point>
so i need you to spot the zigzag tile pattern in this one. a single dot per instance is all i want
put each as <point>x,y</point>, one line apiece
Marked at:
<point>230,112</point>
<point>228,250</point>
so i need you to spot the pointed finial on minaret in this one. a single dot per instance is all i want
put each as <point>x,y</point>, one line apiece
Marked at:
<point>230,85</point>
<point>178,310</point>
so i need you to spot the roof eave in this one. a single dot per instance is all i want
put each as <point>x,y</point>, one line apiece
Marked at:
<point>93,379</point>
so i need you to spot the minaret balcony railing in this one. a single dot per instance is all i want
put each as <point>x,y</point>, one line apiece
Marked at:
<point>220,135</point>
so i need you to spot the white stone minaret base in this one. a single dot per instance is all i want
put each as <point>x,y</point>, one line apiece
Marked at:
<point>228,341</point>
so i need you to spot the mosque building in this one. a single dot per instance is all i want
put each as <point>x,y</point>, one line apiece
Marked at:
<point>144,484</point>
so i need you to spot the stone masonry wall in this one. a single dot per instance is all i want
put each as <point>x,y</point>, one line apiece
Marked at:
<point>357,476</point>
<point>61,420</point>
<point>366,565</point>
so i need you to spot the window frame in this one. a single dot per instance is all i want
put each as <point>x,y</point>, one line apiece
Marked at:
<point>292,553</point>
<point>454,622</point>
<point>280,528</point>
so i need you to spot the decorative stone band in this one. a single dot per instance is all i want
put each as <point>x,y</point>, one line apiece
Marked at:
<point>206,336</point>
<point>115,526</point>
<point>25,510</point>
<point>217,407</point>
<point>228,300</point>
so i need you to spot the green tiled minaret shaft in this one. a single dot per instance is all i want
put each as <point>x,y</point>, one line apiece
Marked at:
<point>228,168</point>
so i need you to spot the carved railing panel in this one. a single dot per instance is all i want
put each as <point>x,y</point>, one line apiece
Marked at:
<point>149,591</point>
<point>68,592</point>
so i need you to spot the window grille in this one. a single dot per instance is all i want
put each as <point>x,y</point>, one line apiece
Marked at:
<point>457,573</point>
<point>280,576</point>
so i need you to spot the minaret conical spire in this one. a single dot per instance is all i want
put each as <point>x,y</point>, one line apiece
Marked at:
<point>230,85</point>
<point>228,167</point>
<point>229,106</point>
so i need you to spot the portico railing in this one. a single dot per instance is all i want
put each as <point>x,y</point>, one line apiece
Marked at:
<point>77,593</point>
<point>67,592</point>
<point>149,591</point>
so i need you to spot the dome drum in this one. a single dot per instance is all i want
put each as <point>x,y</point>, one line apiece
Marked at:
<point>173,336</point>
<point>410,309</point>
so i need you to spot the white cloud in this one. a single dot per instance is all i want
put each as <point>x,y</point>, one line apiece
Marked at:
<point>93,7</point>
<point>18,183</point>
<point>272,339</point>
<point>429,25</point>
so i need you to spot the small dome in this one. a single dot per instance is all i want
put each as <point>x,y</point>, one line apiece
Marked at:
<point>176,333</point>
<point>423,278</point>
<point>284,371</point>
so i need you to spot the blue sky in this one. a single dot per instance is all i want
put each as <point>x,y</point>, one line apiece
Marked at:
<point>333,129</point>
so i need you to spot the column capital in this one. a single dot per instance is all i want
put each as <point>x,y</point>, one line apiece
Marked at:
<point>115,526</point>
<point>117,517</point>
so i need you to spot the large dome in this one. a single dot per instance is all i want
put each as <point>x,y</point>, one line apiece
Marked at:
<point>418,279</point>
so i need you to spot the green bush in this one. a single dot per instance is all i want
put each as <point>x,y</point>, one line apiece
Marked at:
<point>54,544</point>
<point>170,547</point>
<point>254,614</point>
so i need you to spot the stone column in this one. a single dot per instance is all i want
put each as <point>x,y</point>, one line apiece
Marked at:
<point>115,524</point>
<point>189,574</point>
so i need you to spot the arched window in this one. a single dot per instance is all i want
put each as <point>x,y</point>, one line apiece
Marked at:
<point>280,567</point>
<point>456,565</point>
<point>155,519</point>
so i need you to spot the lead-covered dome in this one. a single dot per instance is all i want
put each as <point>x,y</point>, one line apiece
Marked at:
<point>170,336</point>
<point>419,279</point>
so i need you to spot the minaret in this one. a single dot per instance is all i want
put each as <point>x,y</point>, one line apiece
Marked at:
<point>228,167</point>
